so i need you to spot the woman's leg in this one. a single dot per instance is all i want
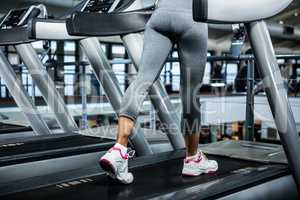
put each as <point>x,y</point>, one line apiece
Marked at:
<point>192,49</point>
<point>125,127</point>
<point>155,52</point>
<point>192,53</point>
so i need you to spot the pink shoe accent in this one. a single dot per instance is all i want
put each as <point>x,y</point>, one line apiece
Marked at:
<point>199,159</point>
<point>125,157</point>
<point>107,166</point>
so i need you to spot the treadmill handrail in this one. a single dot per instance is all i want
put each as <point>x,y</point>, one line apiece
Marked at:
<point>107,24</point>
<point>236,11</point>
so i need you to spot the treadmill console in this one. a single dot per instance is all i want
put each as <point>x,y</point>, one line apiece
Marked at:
<point>100,6</point>
<point>21,16</point>
<point>14,18</point>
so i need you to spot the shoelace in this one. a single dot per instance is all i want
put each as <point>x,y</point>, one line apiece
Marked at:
<point>130,153</point>
<point>201,154</point>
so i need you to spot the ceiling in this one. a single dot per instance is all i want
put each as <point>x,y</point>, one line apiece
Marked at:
<point>218,38</point>
<point>291,15</point>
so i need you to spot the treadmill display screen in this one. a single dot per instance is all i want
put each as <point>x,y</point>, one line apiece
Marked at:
<point>101,6</point>
<point>14,18</point>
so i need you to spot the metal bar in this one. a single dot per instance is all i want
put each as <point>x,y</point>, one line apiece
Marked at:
<point>209,59</point>
<point>268,67</point>
<point>21,97</point>
<point>83,86</point>
<point>46,87</point>
<point>158,95</point>
<point>250,102</point>
<point>247,57</point>
<point>239,58</point>
<point>109,82</point>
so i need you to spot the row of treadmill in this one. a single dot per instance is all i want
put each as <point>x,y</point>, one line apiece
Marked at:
<point>63,164</point>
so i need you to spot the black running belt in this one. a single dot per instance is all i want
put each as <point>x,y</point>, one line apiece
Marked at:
<point>13,153</point>
<point>161,179</point>
<point>106,24</point>
<point>12,128</point>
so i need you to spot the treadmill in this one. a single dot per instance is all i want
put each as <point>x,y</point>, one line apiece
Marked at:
<point>248,170</point>
<point>45,152</point>
<point>13,128</point>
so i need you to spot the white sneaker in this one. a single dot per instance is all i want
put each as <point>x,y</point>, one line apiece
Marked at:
<point>115,163</point>
<point>199,164</point>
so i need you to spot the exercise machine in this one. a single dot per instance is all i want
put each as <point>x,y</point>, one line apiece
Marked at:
<point>252,15</point>
<point>44,29</point>
<point>262,173</point>
<point>46,151</point>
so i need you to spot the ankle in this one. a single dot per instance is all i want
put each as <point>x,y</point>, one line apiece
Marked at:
<point>191,154</point>
<point>192,157</point>
<point>121,147</point>
<point>122,140</point>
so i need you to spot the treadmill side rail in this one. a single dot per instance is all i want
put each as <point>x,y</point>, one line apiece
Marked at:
<point>236,11</point>
<point>106,24</point>
<point>21,97</point>
<point>17,35</point>
<point>50,29</point>
<point>276,93</point>
<point>47,87</point>
<point>104,74</point>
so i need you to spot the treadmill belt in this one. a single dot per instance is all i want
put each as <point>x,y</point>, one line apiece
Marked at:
<point>150,181</point>
<point>11,128</point>
<point>61,145</point>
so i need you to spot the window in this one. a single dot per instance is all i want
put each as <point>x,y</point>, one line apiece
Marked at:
<point>13,58</point>
<point>104,47</point>
<point>119,70</point>
<point>298,71</point>
<point>207,72</point>
<point>37,92</point>
<point>281,61</point>
<point>27,81</point>
<point>37,45</point>
<point>231,72</point>
<point>3,89</point>
<point>70,71</point>
<point>118,51</point>
<point>298,74</point>
<point>176,76</point>
<point>53,46</point>
<point>69,46</point>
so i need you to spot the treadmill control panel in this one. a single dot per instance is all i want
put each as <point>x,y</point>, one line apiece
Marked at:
<point>100,6</point>
<point>21,16</point>
<point>15,18</point>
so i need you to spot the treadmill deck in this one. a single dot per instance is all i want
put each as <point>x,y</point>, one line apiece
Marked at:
<point>28,151</point>
<point>159,178</point>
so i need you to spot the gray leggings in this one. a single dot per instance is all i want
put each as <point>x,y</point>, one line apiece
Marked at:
<point>171,25</point>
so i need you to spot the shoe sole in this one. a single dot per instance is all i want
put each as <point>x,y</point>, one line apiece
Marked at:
<point>211,171</point>
<point>108,168</point>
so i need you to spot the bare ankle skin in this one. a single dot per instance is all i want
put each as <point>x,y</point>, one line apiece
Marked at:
<point>125,127</point>
<point>192,142</point>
